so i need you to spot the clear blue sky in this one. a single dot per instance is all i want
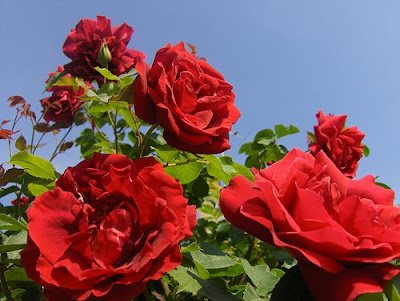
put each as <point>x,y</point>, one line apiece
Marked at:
<point>285,59</point>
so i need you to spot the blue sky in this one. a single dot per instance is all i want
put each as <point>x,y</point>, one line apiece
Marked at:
<point>285,59</point>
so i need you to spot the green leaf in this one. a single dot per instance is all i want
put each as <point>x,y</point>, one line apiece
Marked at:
<point>126,81</point>
<point>185,173</point>
<point>261,276</point>
<point>167,153</point>
<point>8,220</point>
<point>211,257</point>
<point>392,289</point>
<point>20,143</point>
<point>91,95</point>
<point>16,274</point>
<point>190,282</point>
<point>15,239</point>
<point>250,294</point>
<point>372,297</point>
<point>109,88</point>
<point>8,248</point>
<point>248,149</point>
<point>282,130</point>
<point>106,73</point>
<point>55,78</point>
<point>365,151</point>
<point>130,73</point>
<point>186,282</point>
<point>383,185</point>
<point>231,271</point>
<point>311,137</point>
<point>10,175</point>
<point>224,168</point>
<point>264,134</point>
<point>202,271</point>
<point>34,165</point>
<point>66,82</point>
<point>39,187</point>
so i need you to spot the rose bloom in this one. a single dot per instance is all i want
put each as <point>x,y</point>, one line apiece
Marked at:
<point>22,201</point>
<point>84,42</point>
<point>110,225</point>
<point>62,105</point>
<point>188,98</point>
<point>342,145</point>
<point>342,231</point>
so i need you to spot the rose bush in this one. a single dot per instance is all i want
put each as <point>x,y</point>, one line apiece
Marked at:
<point>188,98</point>
<point>342,145</point>
<point>89,37</point>
<point>341,231</point>
<point>110,225</point>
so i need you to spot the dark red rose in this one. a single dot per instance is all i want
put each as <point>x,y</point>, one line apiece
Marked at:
<point>62,105</point>
<point>89,37</point>
<point>110,225</point>
<point>342,145</point>
<point>22,201</point>
<point>189,99</point>
<point>342,231</point>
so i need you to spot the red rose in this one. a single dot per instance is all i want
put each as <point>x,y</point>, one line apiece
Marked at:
<point>341,231</point>
<point>22,201</point>
<point>89,37</point>
<point>110,225</point>
<point>342,145</point>
<point>62,105</point>
<point>189,99</point>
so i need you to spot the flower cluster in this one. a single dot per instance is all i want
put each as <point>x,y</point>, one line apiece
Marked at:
<point>113,224</point>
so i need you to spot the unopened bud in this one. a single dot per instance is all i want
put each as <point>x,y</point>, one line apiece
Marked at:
<point>104,56</point>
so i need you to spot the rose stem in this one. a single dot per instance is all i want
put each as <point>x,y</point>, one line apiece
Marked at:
<point>138,135</point>
<point>247,256</point>
<point>4,281</point>
<point>33,133</point>
<point>146,137</point>
<point>58,145</point>
<point>166,289</point>
<point>12,129</point>
<point>37,144</point>
<point>114,126</point>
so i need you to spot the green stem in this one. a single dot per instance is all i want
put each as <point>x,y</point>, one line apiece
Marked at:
<point>3,280</point>
<point>61,142</point>
<point>166,289</point>
<point>114,126</point>
<point>33,132</point>
<point>12,129</point>
<point>146,137</point>
<point>37,144</point>
<point>247,257</point>
<point>138,135</point>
